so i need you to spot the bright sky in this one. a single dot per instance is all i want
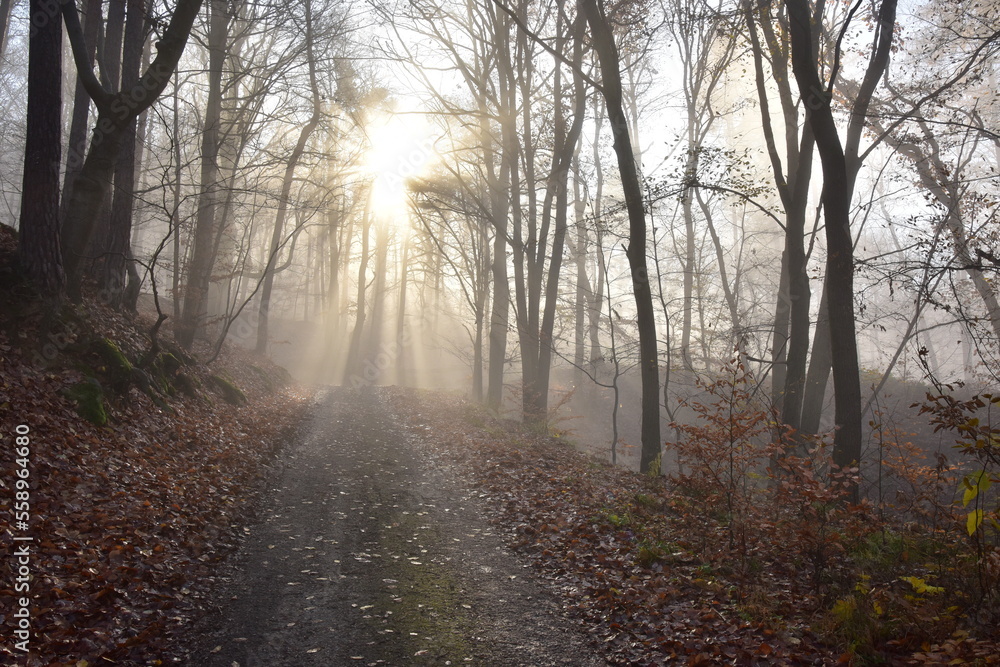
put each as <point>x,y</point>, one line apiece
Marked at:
<point>401,147</point>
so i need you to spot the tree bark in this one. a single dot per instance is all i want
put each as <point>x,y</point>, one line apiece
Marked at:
<point>117,252</point>
<point>818,376</point>
<point>5,8</point>
<point>402,348</point>
<point>38,243</point>
<point>840,246</point>
<point>790,347</point>
<point>500,204</point>
<point>583,291</point>
<point>827,343</point>
<point>81,108</point>
<point>566,146</point>
<point>354,366</point>
<point>109,59</point>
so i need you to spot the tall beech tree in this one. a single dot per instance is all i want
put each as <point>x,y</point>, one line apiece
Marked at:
<point>611,89</point>
<point>826,351</point>
<point>115,112</point>
<point>840,168</point>
<point>286,183</point>
<point>792,178</point>
<point>203,254</point>
<point>117,249</point>
<point>92,21</point>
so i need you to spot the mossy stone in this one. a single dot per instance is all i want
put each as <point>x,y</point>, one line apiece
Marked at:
<point>164,371</point>
<point>89,398</point>
<point>230,392</point>
<point>178,352</point>
<point>117,366</point>
<point>169,363</point>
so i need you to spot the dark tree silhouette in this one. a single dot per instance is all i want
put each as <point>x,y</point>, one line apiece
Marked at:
<point>39,239</point>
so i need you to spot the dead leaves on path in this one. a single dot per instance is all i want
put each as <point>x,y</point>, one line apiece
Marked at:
<point>596,533</point>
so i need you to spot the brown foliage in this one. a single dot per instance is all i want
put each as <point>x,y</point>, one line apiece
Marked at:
<point>129,521</point>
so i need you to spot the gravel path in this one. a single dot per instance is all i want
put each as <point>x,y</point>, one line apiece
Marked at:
<point>367,554</point>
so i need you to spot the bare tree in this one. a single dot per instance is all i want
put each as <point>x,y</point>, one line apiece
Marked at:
<point>607,52</point>
<point>114,113</point>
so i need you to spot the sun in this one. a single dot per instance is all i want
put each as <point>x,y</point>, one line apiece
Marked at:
<point>400,147</point>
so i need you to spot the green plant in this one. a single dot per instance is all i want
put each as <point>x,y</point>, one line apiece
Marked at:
<point>650,552</point>
<point>977,439</point>
<point>618,520</point>
<point>646,500</point>
<point>117,368</point>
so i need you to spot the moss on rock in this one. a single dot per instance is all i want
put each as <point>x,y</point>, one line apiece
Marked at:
<point>117,366</point>
<point>164,372</point>
<point>89,398</point>
<point>229,391</point>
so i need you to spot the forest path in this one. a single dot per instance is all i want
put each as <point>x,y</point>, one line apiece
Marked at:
<point>367,554</point>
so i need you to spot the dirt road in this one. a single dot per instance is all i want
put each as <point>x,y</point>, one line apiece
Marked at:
<point>368,554</point>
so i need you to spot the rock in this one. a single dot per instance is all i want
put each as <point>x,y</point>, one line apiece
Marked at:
<point>89,398</point>
<point>117,367</point>
<point>229,391</point>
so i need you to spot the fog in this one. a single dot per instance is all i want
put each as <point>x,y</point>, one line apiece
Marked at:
<point>431,194</point>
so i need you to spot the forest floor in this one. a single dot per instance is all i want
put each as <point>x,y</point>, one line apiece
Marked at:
<point>178,512</point>
<point>415,528</point>
<point>369,553</point>
<point>412,528</point>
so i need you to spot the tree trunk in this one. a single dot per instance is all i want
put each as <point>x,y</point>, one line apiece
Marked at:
<point>779,338</point>
<point>354,366</point>
<point>607,52</point>
<point>5,9</point>
<point>286,186</point>
<point>790,347</point>
<point>175,208</point>
<point>117,252</point>
<point>818,376</point>
<point>400,342</point>
<point>830,349</point>
<point>690,168</point>
<point>565,149</point>
<point>114,110</point>
<point>81,108</point>
<point>130,297</point>
<point>39,217</point>
<point>597,302</point>
<point>373,345</point>
<point>203,257</point>
<point>583,291</point>
<point>110,59</point>
<point>500,203</point>
<point>840,246</point>
<point>89,190</point>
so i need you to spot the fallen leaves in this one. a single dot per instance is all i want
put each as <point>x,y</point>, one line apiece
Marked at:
<point>647,585</point>
<point>131,519</point>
